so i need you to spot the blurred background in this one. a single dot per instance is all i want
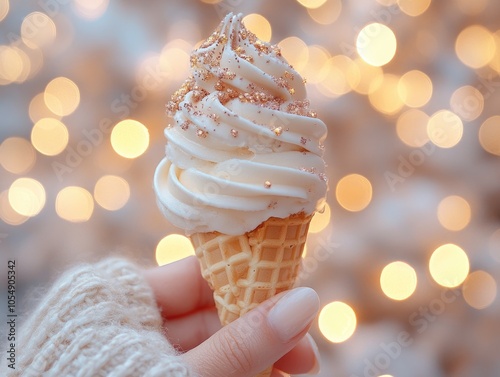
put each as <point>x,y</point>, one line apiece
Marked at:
<point>406,256</point>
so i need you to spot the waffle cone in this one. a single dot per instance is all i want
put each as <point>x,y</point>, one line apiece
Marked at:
<point>246,270</point>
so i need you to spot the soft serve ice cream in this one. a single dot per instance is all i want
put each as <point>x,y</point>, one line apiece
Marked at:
<point>244,145</point>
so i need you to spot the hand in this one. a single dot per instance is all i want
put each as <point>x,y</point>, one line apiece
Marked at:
<point>274,333</point>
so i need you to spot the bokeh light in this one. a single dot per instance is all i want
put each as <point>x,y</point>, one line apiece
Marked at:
<point>415,88</point>
<point>49,136</point>
<point>74,204</point>
<point>449,265</point>
<point>386,98</point>
<point>295,51</point>
<point>130,138</point>
<point>111,192</point>
<point>90,9</point>
<point>354,192</point>
<point>398,280</point>
<point>467,102</point>
<point>445,129</point>
<point>475,46</point>
<point>316,69</point>
<point>411,128</point>
<point>376,44</point>
<point>172,248</point>
<point>343,75</point>
<point>38,30</point>
<point>312,4</point>
<point>17,155</point>
<point>4,9</point>
<point>337,321</point>
<point>62,96</point>
<point>39,110</point>
<point>370,77</point>
<point>479,289</point>
<point>320,220</point>
<point>414,8</point>
<point>327,13</point>
<point>489,135</point>
<point>27,196</point>
<point>7,213</point>
<point>173,62</point>
<point>454,213</point>
<point>11,65</point>
<point>259,25</point>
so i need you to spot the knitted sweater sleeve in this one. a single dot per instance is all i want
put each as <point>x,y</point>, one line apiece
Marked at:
<point>97,320</point>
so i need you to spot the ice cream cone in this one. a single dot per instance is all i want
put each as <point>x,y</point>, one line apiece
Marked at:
<point>246,270</point>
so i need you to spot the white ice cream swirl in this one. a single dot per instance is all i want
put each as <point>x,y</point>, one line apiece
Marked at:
<point>244,145</point>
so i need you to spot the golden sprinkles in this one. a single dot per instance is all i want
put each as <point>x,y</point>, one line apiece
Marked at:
<point>267,184</point>
<point>211,78</point>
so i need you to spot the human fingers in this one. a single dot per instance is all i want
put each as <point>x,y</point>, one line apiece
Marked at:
<point>303,358</point>
<point>186,332</point>
<point>258,339</point>
<point>179,287</point>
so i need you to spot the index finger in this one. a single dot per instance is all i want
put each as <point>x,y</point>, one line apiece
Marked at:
<point>179,288</point>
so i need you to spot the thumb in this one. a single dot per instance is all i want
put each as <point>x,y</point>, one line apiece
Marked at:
<point>258,339</point>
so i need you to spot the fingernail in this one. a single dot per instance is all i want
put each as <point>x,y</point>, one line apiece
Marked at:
<point>316,368</point>
<point>293,312</point>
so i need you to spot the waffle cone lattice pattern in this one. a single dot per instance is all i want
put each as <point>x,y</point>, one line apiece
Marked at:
<point>246,270</point>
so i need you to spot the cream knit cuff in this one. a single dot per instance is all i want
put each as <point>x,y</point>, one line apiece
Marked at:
<point>97,320</point>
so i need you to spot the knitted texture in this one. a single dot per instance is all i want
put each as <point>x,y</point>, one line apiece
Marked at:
<point>97,320</point>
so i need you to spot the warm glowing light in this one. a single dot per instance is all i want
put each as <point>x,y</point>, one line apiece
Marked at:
<point>354,192</point>
<point>11,65</point>
<point>130,138</point>
<point>62,96</point>
<point>312,4</point>
<point>39,110</point>
<point>489,135</point>
<point>320,220</point>
<point>172,248</point>
<point>337,321</point>
<point>304,251</point>
<point>415,88</point>
<point>90,9</point>
<point>479,289</point>
<point>449,265</point>
<point>27,196</point>
<point>211,1</point>
<point>112,192</point>
<point>343,75</point>
<point>475,46</point>
<point>467,102</point>
<point>38,30</point>
<point>454,213</point>
<point>295,51</point>
<point>4,9</point>
<point>17,155</point>
<point>495,62</point>
<point>386,98</point>
<point>445,129</point>
<point>370,77</point>
<point>74,204</point>
<point>49,136</point>
<point>387,2</point>
<point>376,44</point>
<point>259,25</point>
<point>414,8</point>
<point>471,7</point>
<point>411,128</point>
<point>317,67</point>
<point>398,280</point>
<point>174,62</point>
<point>327,13</point>
<point>7,213</point>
